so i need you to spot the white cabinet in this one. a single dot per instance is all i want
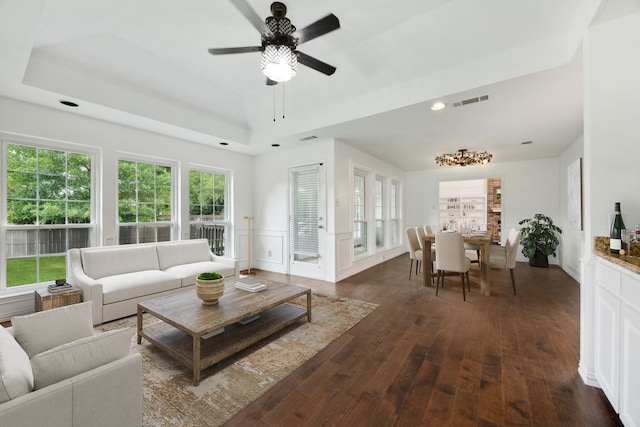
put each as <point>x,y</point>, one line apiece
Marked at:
<point>617,339</point>
<point>470,208</point>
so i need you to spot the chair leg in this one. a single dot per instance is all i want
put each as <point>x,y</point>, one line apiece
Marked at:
<point>468,282</point>
<point>410,268</point>
<point>478,254</point>
<point>437,282</point>
<point>431,272</point>
<point>513,282</point>
<point>464,297</point>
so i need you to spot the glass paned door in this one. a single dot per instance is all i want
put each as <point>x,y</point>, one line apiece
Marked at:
<point>306,221</point>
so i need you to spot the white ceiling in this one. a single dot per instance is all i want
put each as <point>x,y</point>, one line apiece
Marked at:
<point>144,63</point>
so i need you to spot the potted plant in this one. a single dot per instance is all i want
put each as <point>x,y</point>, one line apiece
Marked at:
<point>539,239</point>
<point>209,287</point>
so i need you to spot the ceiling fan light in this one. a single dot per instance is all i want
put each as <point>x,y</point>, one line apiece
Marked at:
<point>279,63</point>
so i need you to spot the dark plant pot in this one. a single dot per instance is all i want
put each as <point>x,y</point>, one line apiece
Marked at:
<point>539,260</point>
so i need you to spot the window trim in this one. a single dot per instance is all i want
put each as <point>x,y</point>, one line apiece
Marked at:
<point>227,222</point>
<point>156,161</point>
<point>94,225</point>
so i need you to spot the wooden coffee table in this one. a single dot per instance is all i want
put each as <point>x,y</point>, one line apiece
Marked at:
<point>186,322</point>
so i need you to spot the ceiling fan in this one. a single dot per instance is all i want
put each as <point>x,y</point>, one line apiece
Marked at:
<point>280,40</point>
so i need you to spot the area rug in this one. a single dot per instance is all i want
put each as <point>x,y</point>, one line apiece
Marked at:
<point>171,399</point>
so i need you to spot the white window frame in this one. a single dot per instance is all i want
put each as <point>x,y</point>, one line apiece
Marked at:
<point>226,222</point>
<point>93,225</point>
<point>174,226</point>
<point>365,209</point>
<point>381,211</point>
<point>395,215</point>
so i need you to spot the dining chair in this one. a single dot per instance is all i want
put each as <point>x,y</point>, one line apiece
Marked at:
<point>473,247</point>
<point>427,229</point>
<point>505,256</point>
<point>421,232</point>
<point>415,252</point>
<point>451,259</point>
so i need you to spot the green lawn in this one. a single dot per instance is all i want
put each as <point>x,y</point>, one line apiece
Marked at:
<point>22,271</point>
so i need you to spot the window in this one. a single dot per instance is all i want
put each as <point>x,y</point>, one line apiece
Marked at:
<point>379,193</point>
<point>359,213</point>
<point>394,212</point>
<point>144,202</point>
<point>48,211</point>
<point>208,216</point>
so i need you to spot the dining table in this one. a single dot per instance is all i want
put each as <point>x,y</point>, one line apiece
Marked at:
<point>482,238</point>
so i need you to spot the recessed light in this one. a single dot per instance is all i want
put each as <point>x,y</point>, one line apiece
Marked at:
<point>438,106</point>
<point>224,143</point>
<point>69,103</point>
<point>275,145</point>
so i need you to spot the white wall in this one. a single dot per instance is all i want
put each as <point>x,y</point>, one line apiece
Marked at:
<point>572,248</point>
<point>611,150</point>
<point>34,121</point>
<point>271,173</point>
<point>528,187</point>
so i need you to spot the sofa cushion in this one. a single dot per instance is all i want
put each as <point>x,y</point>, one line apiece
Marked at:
<point>45,330</point>
<point>70,359</point>
<point>188,272</point>
<point>16,378</point>
<point>182,252</point>
<point>133,285</point>
<point>102,262</point>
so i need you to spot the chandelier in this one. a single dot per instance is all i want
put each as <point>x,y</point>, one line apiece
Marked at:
<point>463,158</point>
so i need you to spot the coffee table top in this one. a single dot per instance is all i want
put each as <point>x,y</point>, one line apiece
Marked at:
<point>185,311</point>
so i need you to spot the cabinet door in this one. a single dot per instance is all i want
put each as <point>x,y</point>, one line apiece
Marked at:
<point>607,333</point>
<point>630,367</point>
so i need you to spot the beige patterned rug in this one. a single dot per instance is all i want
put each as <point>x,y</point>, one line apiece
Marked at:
<point>170,399</point>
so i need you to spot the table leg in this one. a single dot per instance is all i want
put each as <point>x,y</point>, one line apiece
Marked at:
<point>426,262</point>
<point>196,359</point>
<point>139,326</point>
<point>309,306</point>
<point>485,286</point>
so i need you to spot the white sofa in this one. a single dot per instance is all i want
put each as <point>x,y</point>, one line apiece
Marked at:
<point>56,372</point>
<point>117,278</point>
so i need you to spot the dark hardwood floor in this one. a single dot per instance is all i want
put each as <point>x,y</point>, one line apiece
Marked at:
<point>419,360</point>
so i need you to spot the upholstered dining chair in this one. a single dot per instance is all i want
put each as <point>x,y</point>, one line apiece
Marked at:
<point>427,229</point>
<point>421,232</point>
<point>505,256</point>
<point>450,257</point>
<point>415,252</point>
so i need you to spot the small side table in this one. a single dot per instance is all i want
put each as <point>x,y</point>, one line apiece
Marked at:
<point>46,300</point>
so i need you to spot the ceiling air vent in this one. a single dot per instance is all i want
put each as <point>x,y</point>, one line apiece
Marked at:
<point>308,138</point>
<point>471,101</point>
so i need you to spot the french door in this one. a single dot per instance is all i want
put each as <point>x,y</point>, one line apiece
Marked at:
<point>307,221</point>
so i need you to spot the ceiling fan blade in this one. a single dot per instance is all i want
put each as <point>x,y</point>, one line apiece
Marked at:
<point>271,82</point>
<point>229,50</point>
<point>317,29</point>
<point>314,63</point>
<point>247,11</point>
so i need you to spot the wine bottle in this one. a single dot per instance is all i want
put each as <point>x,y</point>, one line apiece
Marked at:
<point>616,231</point>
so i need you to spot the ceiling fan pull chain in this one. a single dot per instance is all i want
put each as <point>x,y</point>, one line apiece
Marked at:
<point>274,104</point>
<point>283,100</point>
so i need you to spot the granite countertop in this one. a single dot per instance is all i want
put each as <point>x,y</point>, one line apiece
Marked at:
<point>628,262</point>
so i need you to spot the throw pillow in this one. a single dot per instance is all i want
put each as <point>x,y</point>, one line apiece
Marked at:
<point>79,356</point>
<point>16,378</point>
<point>45,330</point>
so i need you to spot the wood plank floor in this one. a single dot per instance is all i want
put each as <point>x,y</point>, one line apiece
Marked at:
<point>421,360</point>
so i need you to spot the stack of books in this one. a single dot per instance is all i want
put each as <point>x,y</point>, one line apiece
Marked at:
<point>250,284</point>
<point>59,288</point>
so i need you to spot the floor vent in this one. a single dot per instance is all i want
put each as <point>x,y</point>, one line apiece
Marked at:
<point>308,138</point>
<point>471,101</point>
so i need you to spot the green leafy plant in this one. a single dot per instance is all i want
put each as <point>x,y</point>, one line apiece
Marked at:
<point>210,276</point>
<point>539,234</point>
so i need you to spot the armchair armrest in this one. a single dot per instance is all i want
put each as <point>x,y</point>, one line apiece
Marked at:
<point>231,262</point>
<point>91,289</point>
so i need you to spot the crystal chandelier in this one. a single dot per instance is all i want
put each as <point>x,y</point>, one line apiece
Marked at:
<point>279,63</point>
<point>463,158</point>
